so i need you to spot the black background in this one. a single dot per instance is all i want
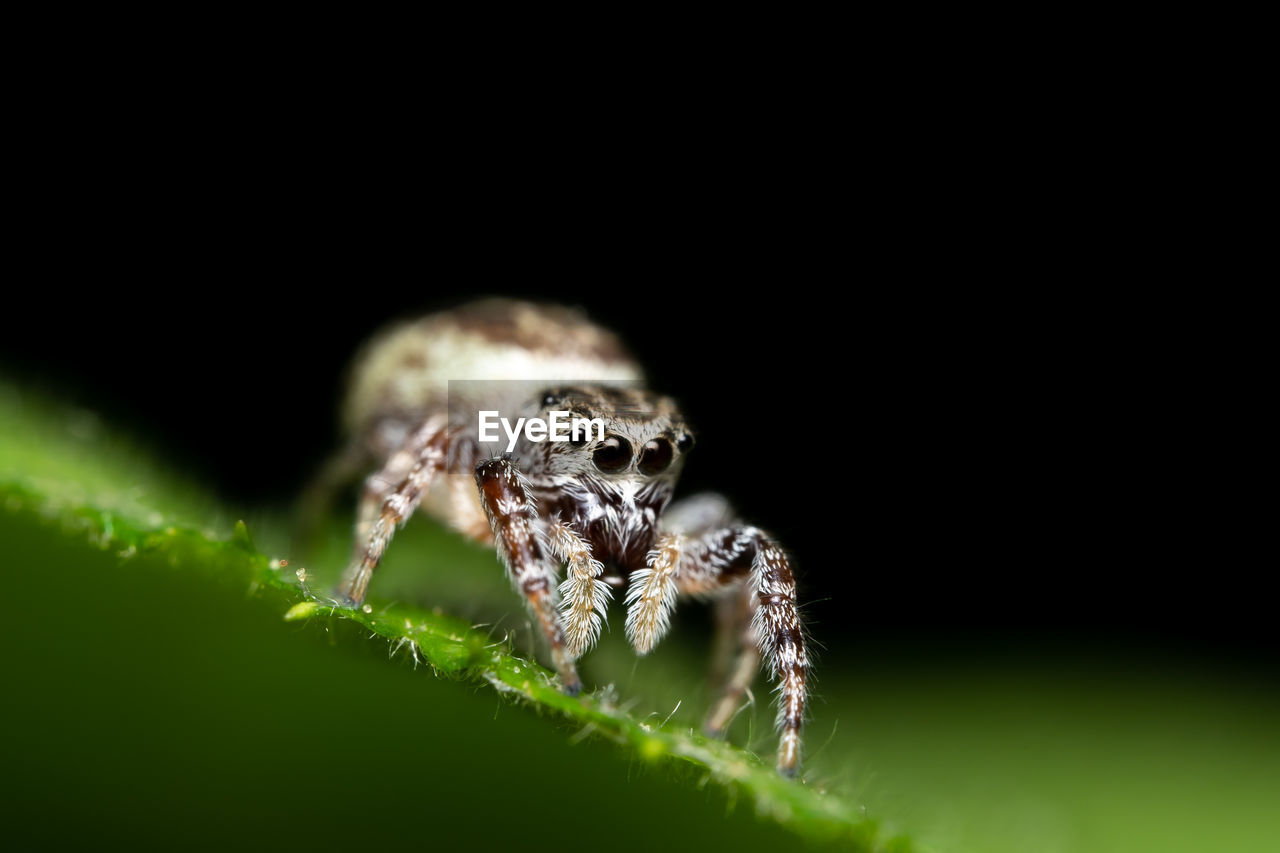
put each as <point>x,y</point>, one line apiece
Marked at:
<point>959,443</point>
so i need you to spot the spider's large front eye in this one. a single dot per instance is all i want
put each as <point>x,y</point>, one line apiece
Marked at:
<point>655,457</point>
<point>613,454</point>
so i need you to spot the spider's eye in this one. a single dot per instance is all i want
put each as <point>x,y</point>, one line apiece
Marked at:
<point>550,400</point>
<point>613,454</point>
<point>656,457</point>
<point>685,443</point>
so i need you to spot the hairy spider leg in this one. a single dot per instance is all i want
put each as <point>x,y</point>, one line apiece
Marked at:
<point>521,544</point>
<point>741,556</point>
<point>390,497</point>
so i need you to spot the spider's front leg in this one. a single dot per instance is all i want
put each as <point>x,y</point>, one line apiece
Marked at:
<point>510,507</point>
<point>732,556</point>
<point>781,639</point>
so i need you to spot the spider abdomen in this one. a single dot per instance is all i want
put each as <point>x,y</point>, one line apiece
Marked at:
<point>405,371</point>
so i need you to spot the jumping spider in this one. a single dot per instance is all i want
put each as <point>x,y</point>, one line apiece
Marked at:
<point>597,507</point>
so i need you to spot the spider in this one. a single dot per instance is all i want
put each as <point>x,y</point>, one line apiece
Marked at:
<point>596,507</point>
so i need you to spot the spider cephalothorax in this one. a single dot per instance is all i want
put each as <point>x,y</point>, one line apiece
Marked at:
<point>595,506</point>
<point>613,489</point>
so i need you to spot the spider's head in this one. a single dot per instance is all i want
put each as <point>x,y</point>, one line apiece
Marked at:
<point>634,434</point>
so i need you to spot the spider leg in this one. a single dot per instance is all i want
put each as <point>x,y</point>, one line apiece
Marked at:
<point>781,638</point>
<point>730,614</point>
<point>737,660</point>
<point>720,571</point>
<point>742,561</point>
<point>390,497</point>
<point>512,516</point>
<point>586,596</point>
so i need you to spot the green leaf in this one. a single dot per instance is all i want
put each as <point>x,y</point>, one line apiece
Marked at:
<point>174,675</point>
